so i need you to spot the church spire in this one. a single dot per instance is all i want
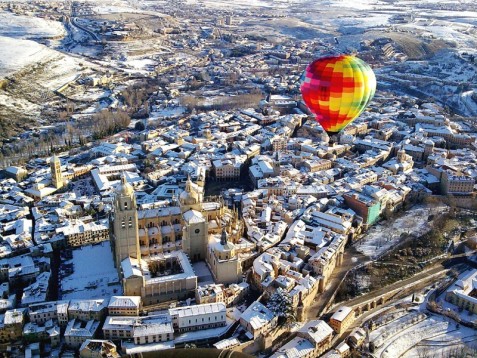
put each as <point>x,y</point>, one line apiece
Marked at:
<point>223,237</point>
<point>188,186</point>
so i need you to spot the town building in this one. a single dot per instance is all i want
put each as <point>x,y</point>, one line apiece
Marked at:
<point>312,340</point>
<point>213,293</point>
<point>198,317</point>
<point>79,331</point>
<point>87,310</point>
<point>141,330</point>
<point>11,325</point>
<point>463,292</point>
<point>16,173</point>
<point>357,337</point>
<point>452,182</point>
<point>41,312</point>
<point>124,306</point>
<point>98,348</point>
<point>46,332</point>
<point>342,318</point>
<point>368,208</point>
<point>78,233</point>
<point>257,320</point>
<point>229,168</point>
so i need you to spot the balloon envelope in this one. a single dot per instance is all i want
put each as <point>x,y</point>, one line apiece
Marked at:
<point>337,89</point>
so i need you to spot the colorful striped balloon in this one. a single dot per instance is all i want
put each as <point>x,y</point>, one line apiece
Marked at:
<point>337,89</point>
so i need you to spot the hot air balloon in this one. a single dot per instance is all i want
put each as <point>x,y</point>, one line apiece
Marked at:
<point>337,89</point>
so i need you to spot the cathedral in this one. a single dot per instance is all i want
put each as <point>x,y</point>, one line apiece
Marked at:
<point>154,248</point>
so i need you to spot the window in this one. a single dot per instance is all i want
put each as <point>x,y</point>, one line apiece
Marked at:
<point>197,231</point>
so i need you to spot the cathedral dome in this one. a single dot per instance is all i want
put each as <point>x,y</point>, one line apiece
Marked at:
<point>189,195</point>
<point>54,159</point>
<point>125,188</point>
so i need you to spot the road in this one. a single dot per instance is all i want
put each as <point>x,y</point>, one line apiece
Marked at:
<point>74,22</point>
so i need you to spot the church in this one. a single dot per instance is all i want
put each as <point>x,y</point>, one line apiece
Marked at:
<point>154,248</point>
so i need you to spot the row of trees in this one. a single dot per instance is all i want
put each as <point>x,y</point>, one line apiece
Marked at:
<point>106,123</point>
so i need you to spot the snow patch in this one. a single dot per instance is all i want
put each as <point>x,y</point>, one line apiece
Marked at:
<point>94,275</point>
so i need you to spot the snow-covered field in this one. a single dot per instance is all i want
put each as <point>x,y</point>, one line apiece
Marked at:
<point>359,5</point>
<point>352,4</point>
<point>233,4</point>
<point>94,274</point>
<point>20,53</point>
<point>416,333</point>
<point>409,337</point>
<point>168,112</point>
<point>107,8</point>
<point>19,47</point>
<point>362,22</point>
<point>19,104</point>
<point>382,237</point>
<point>442,341</point>
<point>444,30</point>
<point>28,27</point>
<point>141,64</point>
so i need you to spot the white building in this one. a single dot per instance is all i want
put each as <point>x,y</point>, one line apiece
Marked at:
<point>198,317</point>
<point>229,168</point>
<point>77,332</point>
<point>41,312</point>
<point>142,330</point>
<point>86,310</point>
<point>463,292</point>
<point>124,306</point>
<point>257,319</point>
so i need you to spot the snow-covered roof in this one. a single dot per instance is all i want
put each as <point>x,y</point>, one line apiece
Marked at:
<point>227,343</point>
<point>257,315</point>
<point>87,305</point>
<point>193,216</point>
<point>341,313</point>
<point>198,310</point>
<point>124,302</point>
<point>317,331</point>
<point>131,267</point>
<point>298,347</point>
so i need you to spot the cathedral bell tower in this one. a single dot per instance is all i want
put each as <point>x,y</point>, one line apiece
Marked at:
<point>125,226</point>
<point>56,177</point>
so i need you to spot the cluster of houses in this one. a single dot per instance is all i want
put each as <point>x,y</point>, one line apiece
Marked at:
<point>119,321</point>
<point>309,198</point>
